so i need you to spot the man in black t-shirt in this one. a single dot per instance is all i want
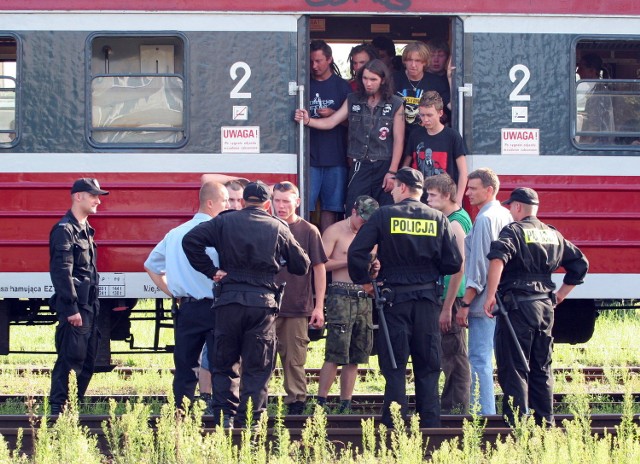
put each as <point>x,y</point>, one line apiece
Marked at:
<point>435,148</point>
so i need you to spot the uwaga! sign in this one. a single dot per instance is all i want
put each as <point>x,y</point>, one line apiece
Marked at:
<point>240,139</point>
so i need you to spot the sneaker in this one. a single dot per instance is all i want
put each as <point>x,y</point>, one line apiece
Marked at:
<point>296,408</point>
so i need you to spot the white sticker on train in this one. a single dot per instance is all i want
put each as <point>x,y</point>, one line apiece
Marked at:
<point>520,141</point>
<point>238,139</point>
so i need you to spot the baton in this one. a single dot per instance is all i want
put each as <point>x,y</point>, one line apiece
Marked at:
<point>500,310</point>
<point>380,302</point>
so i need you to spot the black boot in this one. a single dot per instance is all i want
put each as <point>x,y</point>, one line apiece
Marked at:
<point>296,408</point>
<point>208,401</point>
<point>345,407</point>
<point>56,409</point>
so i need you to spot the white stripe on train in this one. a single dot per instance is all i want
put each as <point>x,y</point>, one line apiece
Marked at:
<point>273,163</point>
<point>551,24</point>
<point>286,163</point>
<point>139,285</point>
<point>608,166</point>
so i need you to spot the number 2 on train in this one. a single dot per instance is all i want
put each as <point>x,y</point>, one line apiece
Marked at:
<point>233,72</point>
<point>526,75</point>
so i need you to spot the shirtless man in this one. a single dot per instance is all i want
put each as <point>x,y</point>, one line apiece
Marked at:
<point>349,333</point>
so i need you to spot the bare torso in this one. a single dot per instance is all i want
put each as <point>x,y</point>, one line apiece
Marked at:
<point>336,240</point>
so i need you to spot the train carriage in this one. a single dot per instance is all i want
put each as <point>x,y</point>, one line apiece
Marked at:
<point>148,97</point>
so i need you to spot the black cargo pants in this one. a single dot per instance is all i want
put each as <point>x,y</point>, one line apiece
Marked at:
<point>77,348</point>
<point>414,331</point>
<point>532,323</point>
<point>248,334</point>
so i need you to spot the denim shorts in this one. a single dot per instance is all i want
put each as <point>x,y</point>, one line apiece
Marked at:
<point>329,183</point>
<point>204,357</point>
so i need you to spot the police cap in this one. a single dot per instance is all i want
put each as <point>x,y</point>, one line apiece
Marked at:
<point>256,192</point>
<point>524,195</point>
<point>410,177</point>
<point>88,184</point>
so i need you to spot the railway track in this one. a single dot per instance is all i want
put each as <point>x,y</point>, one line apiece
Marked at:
<point>340,430</point>
<point>590,374</point>
<point>360,404</point>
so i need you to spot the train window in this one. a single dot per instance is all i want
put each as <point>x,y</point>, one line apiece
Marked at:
<point>137,91</point>
<point>8,95</point>
<point>607,94</point>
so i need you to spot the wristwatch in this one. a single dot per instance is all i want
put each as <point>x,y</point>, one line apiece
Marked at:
<point>464,305</point>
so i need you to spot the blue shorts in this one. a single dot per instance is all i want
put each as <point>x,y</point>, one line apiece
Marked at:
<point>330,184</point>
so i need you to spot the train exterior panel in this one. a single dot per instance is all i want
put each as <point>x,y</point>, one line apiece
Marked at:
<point>147,97</point>
<point>229,113</point>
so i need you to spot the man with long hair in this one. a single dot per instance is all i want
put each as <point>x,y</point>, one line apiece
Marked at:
<point>376,133</point>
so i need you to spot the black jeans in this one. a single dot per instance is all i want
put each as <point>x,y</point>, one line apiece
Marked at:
<point>367,180</point>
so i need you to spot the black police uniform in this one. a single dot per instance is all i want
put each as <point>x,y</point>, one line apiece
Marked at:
<point>75,280</point>
<point>252,246</point>
<point>531,252</point>
<point>415,247</point>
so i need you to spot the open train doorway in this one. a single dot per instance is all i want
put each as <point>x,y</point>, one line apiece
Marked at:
<point>344,32</point>
<point>387,35</point>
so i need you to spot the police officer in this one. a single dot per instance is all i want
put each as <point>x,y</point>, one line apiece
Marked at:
<point>415,247</point>
<point>72,266</point>
<point>170,270</point>
<point>253,246</point>
<point>522,260</point>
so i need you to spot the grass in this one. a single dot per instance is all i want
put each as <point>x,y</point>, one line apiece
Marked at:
<point>613,344</point>
<point>176,438</point>
<point>179,439</point>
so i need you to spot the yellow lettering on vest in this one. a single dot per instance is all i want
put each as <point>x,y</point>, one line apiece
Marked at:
<point>414,226</point>
<point>541,236</point>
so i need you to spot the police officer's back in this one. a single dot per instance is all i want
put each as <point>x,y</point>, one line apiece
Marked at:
<point>415,247</point>
<point>253,246</point>
<point>414,241</point>
<point>74,276</point>
<point>533,250</point>
<point>522,260</point>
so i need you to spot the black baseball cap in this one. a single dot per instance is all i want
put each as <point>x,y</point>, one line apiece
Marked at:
<point>410,177</point>
<point>257,192</point>
<point>524,195</point>
<point>88,184</point>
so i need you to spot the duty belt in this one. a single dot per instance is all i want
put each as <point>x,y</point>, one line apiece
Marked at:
<point>413,288</point>
<point>509,297</point>
<point>190,299</point>
<point>238,287</point>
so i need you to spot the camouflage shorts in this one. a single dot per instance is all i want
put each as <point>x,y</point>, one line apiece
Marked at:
<point>349,325</point>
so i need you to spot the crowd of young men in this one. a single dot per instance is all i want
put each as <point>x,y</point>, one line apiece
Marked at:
<point>405,232</point>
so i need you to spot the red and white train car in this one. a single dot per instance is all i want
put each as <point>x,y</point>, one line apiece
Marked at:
<point>146,96</point>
